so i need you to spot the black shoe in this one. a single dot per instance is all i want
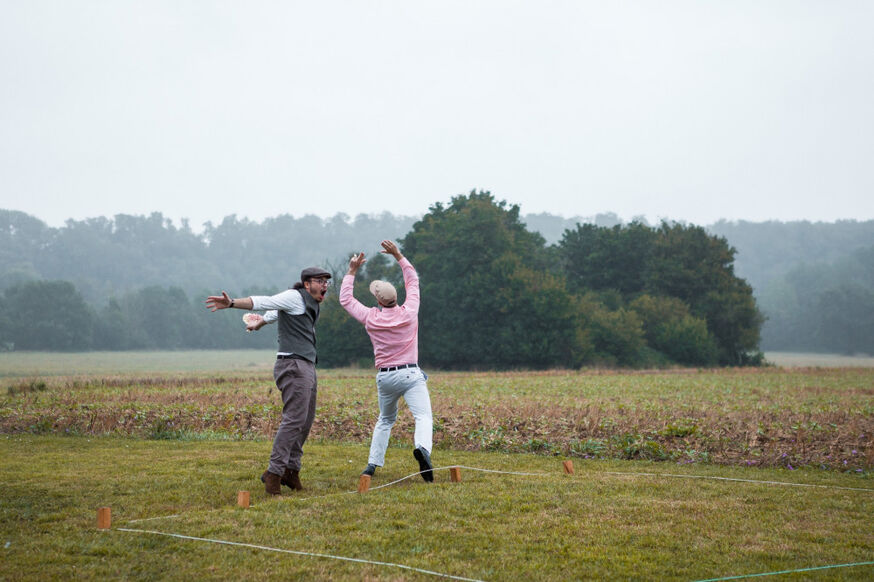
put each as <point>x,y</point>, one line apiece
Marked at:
<point>369,470</point>
<point>424,464</point>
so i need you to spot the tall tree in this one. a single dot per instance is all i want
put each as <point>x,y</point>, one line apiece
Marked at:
<point>696,267</point>
<point>488,298</point>
<point>602,258</point>
<point>673,260</point>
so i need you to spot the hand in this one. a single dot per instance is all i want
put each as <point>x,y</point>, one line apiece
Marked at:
<point>253,321</point>
<point>255,326</point>
<point>390,248</point>
<point>355,263</point>
<point>216,302</point>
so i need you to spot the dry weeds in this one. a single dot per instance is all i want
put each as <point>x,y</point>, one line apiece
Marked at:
<point>770,417</point>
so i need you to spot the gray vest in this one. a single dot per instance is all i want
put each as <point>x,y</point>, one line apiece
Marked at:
<point>297,333</point>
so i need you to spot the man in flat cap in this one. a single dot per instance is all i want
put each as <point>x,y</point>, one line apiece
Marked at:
<point>297,311</point>
<point>394,333</point>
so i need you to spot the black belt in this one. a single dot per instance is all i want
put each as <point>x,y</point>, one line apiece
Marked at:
<point>401,367</point>
<point>289,357</point>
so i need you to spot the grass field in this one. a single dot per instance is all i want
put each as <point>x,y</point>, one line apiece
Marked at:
<point>24,364</point>
<point>680,474</point>
<point>33,364</point>
<point>609,521</point>
<point>801,360</point>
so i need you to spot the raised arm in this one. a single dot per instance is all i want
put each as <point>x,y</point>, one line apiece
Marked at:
<point>411,278</point>
<point>224,301</point>
<point>355,263</point>
<point>390,248</point>
<point>355,308</point>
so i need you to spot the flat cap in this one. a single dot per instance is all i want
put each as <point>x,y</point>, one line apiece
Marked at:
<point>313,273</point>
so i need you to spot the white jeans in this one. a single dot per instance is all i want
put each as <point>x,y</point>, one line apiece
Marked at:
<point>411,384</point>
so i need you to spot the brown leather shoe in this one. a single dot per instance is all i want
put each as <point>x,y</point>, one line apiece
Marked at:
<point>291,478</point>
<point>271,483</point>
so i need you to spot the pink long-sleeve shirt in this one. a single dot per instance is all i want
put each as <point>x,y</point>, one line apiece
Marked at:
<point>393,331</point>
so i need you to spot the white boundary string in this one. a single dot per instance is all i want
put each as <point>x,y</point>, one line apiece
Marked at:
<point>151,518</point>
<point>299,553</point>
<point>829,567</point>
<point>502,472</point>
<point>786,483</point>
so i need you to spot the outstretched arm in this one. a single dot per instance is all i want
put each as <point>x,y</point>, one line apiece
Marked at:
<point>223,301</point>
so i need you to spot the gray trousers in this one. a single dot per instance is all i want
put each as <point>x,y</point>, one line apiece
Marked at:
<point>296,380</point>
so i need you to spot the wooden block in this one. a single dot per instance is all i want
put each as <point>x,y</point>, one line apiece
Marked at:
<point>243,498</point>
<point>104,518</point>
<point>569,467</point>
<point>455,474</point>
<point>364,483</point>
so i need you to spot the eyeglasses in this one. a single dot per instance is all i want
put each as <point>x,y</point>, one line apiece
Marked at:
<point>321,281</point>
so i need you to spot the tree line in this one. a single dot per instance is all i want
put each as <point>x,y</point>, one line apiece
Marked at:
<point>108,257</point>
<point>495,294</point>
<point>823,306</point>
<point>811,281</point>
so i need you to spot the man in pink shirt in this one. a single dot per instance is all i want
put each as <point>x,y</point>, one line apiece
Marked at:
<point>394,333</point>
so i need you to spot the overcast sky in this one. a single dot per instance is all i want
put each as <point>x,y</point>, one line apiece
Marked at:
<point>689,111</point>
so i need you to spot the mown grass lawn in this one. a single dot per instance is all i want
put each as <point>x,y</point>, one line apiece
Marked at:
<point>608,521</point>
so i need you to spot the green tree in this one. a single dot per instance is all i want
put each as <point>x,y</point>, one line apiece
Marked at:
<point>488,297</point>
<point>673,260</point>
<point>342,340</point>
<point>162,318</point>
<point>7,341</point>
<point>698,269</point>
<point>617,335</point>
<point>845,319</point>
<point>821,306</point>
<point>46,316</point>
<point>112,328</point>
<point>672,330</point>
<point>601,258</point>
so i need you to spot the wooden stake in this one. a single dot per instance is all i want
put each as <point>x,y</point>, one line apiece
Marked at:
<point>455,474</point>
<point>569,467</point>
<point>364,483</point>
<point>243,499</point>
<point>104,518</point>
